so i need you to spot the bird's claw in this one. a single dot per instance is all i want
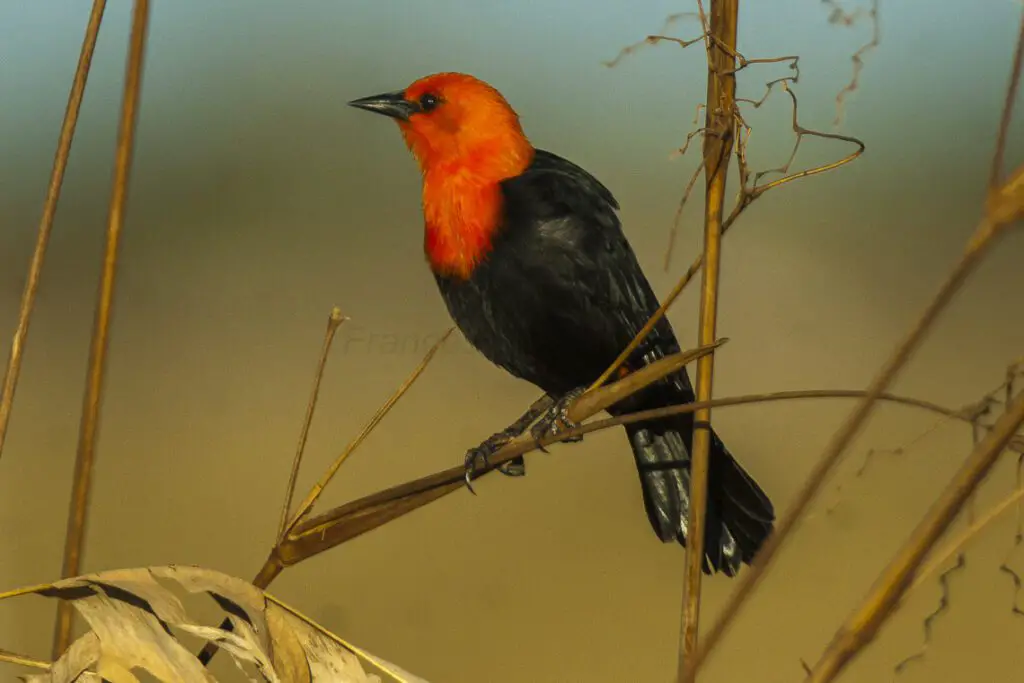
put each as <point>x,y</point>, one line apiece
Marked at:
<point>556,420</point>
<point>482,454</point>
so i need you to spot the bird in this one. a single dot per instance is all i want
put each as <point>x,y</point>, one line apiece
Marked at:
<point>530,258</point>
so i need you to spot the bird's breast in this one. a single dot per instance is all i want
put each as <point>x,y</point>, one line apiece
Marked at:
<point>461,218</point>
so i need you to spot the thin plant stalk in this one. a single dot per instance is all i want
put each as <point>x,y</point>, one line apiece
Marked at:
<point>939,557</point>
<point>721,96</point>
<point>275,562</point>
<point>60,164</point>
<point>314,494</point>
<point>316,534</point>
<point>883,598</point>
<point>1005,205</point>
<point>333,323</point>
<point>22,660</point>
<point>86,455</point>
<point>837,446</point>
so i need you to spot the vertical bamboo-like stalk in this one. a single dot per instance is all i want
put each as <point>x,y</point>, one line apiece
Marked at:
<point>1002,209</point>
<point>86,454</point>
<point>718,143</point>
<point>60,164</point>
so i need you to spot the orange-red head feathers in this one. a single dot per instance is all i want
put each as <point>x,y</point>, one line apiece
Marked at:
<point>466,139</point>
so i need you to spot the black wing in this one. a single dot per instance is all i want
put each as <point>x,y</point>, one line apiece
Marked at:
<point>563,235</point>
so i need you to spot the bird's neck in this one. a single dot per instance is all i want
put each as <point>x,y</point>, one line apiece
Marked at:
<point>462,207</point>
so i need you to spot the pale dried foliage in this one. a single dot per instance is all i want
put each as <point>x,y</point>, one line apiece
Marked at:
<point>133,614</point>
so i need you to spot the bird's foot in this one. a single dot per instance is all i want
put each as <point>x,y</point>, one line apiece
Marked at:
<point>556,420</point>
<point>482,454</point>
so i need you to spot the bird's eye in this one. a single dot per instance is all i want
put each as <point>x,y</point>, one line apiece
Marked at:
<point>429,102</point>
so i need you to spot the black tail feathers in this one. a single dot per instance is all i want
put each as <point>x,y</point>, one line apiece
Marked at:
<point>739,514</point>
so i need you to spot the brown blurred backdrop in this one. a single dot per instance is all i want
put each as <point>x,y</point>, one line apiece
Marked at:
<point>259,200</point>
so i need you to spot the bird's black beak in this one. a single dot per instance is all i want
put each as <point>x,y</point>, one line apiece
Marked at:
<point>391,104</point>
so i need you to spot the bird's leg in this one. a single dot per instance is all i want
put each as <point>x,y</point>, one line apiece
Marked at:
<point>556,419</point>
<point>517,466</point>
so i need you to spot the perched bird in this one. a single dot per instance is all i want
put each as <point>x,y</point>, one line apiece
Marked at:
<point>531,261</point>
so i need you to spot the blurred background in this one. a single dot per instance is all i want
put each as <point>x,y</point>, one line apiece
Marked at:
<point>258,200</point>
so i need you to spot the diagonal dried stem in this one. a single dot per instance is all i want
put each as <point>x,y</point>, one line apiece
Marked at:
<point>644,331</point>
<point>836,447</point>
<point>317,534</point>
<point>85,458</point>
<point>587,405</point>
<point>309,537</point>
<point>60,164</point>
<point>1005,204</point>
<point>273,565</point>
<point>897,578</point>
<point>334,321</point>
<point>678,218</point>
<point>331,528</point>
<point>947,551</point>
<point>314,493</point>
<point>22,660</point>
<point>973,412</point>
<point>399,500</point>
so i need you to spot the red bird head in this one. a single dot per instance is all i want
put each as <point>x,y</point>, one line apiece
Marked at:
<point>466,139</point>
<point>453,122</point>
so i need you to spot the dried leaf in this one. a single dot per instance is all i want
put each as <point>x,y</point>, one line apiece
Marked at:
<point>129,634</point>
<point>72,666</point>
<point>132,615</point>
<point>327,659</point>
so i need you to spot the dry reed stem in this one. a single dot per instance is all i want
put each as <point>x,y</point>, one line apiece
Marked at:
<point>318,488</point>
<point>309,537</point>
<point>944,604</point>
<point>973,412</point>
<point>334,321</point>
<point>721,96</point>
<point>677,219</point>
<point>842,438</point>
<point>22,660</point>
<point>1007,116</point>
<point>1007,206</point>
<point>273,565</point>
<point>862,626</point>
<point>586,406</point>
<point>425,489</point>
<point>86,455</point>
<point>749,192</point>
<point>353,519</point>
<point>940,556</point>
<point>60,164</point>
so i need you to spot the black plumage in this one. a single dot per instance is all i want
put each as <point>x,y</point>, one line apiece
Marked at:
<point>556,299</point>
